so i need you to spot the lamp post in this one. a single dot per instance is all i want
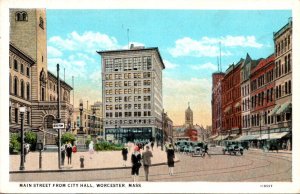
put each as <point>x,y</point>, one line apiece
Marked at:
<point>81,109</point>
<point>22,110</point>
<point>94,118</point>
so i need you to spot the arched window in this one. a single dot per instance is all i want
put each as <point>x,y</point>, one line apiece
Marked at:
<point>16,86</point>
<point>28,91</point>
<point>50,97</point>
<point>21,16</point>
<point>22,89</point>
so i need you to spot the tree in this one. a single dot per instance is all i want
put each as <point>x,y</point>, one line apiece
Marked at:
<point>68,137</point>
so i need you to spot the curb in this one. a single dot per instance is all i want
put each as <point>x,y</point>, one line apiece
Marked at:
<point>81,169</point>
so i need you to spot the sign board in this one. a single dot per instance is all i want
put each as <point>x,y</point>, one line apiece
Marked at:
<point>58,125</point>
<point>110,137</point>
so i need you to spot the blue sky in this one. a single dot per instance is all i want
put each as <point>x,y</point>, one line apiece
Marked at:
<point>188,41</point>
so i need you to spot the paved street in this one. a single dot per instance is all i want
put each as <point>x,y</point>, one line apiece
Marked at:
<point>253,166</point>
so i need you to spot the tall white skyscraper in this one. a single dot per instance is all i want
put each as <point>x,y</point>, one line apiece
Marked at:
<point>132,93</point>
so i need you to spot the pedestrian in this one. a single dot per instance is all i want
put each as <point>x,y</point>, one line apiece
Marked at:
<point>147,161</point>
<point>26,150</point>
<point>152,145</point>
<point>69,153</point>
<point>170,157</point>
<point>136,163</point>
<point>205,151</point>
<point>63,154</point>
<point>124,154</point>
<point>91,149</point>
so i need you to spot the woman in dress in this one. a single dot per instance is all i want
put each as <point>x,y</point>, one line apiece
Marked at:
<point>136,163</point>
<point>170,157</point>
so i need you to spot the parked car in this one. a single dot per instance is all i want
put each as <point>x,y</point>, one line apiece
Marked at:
<point>233,147</point>
<point>271,145</point>
<point>198,151</point>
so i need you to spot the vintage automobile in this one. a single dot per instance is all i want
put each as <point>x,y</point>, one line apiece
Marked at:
<point>271,145</point>
<point>198,151</point>
<point>233,147</point>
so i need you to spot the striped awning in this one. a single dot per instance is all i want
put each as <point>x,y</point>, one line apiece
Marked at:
<point>273,135</point>
<point>221,137</point>
<point>273,112</point>
<point>284,108</point>
<point>247,137</point>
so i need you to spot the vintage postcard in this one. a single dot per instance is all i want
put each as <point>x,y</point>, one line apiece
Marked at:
<point>145,97</point>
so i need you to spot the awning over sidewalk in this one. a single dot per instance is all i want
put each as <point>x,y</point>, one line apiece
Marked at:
<point>221,137</point>
<point>284,108</point>
<point>247,137</point>
<point>274,135</point>
<point>273,112</point>
<point>213,137</point>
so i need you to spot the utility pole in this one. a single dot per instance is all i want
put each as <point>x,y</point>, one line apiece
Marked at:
<point>58,117</point>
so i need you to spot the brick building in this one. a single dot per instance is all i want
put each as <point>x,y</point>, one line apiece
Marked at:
<point>216,102</point>
<point>231,100</point>
<point>262,96</point>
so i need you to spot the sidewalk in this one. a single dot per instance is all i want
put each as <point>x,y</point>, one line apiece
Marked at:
<point>100,160</point>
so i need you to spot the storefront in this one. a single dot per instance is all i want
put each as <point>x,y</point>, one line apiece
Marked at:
<point>123,135</point>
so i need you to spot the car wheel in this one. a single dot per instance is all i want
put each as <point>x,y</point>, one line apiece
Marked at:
<point>242,153</point>
<point>234,153</point>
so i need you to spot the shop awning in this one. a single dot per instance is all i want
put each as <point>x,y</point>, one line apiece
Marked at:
<point>227,109</point>
<point>247,137</point>
<point>273,112</point>
<point>213,136</point>
<point>273,135</point>
<point>284,108</point>
<point>221,137</point>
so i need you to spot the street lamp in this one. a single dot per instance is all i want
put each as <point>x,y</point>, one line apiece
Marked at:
<point>94,118</point>
<point>81,109</point>
<point>22,110</point>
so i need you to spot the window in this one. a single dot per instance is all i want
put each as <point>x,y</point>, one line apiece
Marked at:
<point>27,71</point>
<point>22,68</point>
<point>21,16</point>
<point>16,115</point>
<point>290,87</point>
<point>16,86</point>
<point>28,117</point>
<point>15,64</point>
<point>41,25</point>
<point>22,89</point>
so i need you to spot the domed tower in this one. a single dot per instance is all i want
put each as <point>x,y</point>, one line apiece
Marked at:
<point>189,117</point>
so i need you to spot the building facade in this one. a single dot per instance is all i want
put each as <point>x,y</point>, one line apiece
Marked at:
<point>216,102</point>
<point>231,100</point>
<point>132,93</point>
<point>20,84</point>
<point>28,33</point>
<point>245,93</point>
<point>91,121</point>
<point>262,96</point>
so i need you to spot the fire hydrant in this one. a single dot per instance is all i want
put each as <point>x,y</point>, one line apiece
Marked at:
<point>81,161</point>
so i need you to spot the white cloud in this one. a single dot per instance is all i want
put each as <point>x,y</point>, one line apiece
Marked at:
<point>206,66</point>
<point>53,52</point>
<point>233,41</point>
<point>73,66</point>
<point>87,42</point>
<point>209,47</point>
<point>170,65</point>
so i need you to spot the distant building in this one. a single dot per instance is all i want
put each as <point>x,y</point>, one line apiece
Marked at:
<point>132,93</point>
<point>189,117</point>
<point>92,121</point>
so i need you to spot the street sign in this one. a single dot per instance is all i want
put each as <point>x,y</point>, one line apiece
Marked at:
<point>58,125</point>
